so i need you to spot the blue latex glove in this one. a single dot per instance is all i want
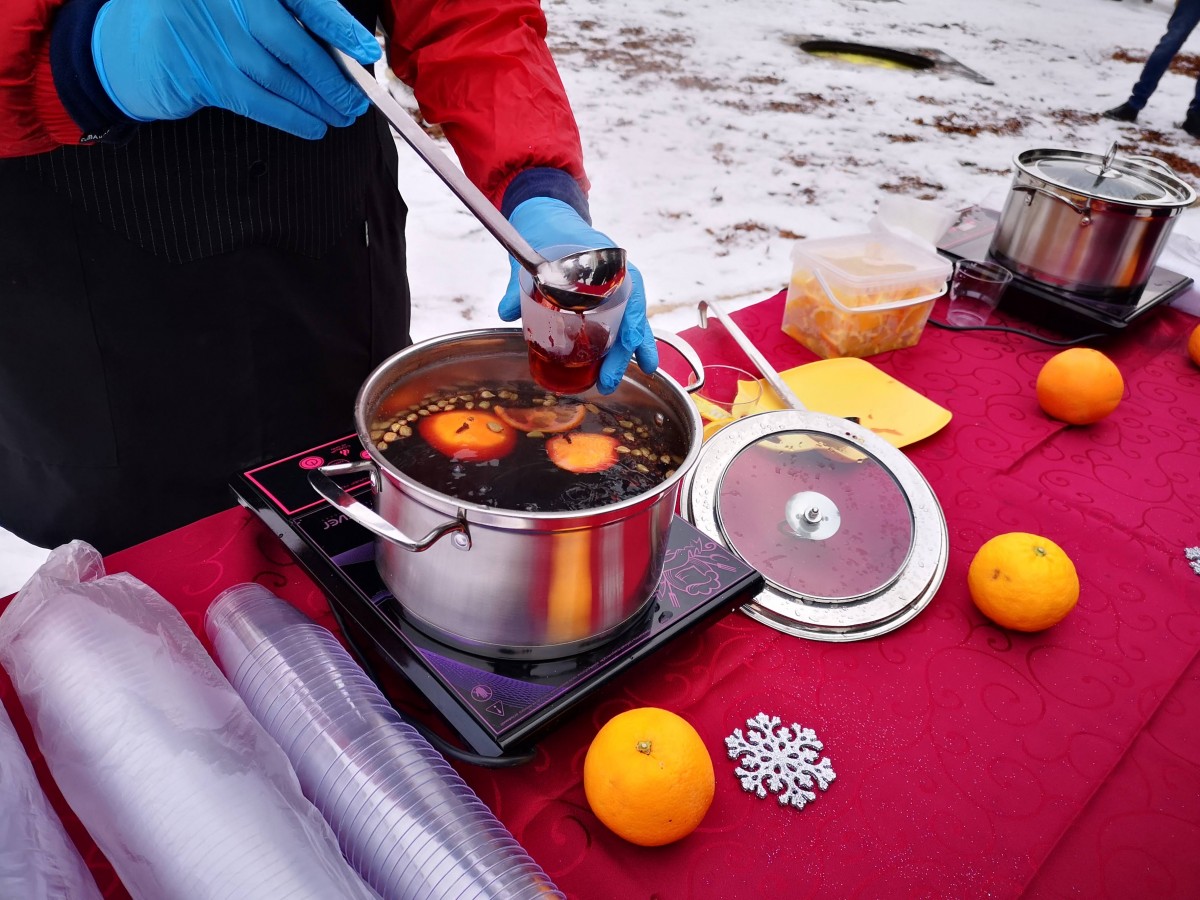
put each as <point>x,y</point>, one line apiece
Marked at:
<point>545,222</point>
<point>166,59</point>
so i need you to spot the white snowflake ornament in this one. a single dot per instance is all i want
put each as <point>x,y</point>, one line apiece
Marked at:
<point>1193,555</point>
<point>780,759</point>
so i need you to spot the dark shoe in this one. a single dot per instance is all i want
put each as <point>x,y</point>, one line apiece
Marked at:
<point>1191,124</point>
<point>1122,113</point>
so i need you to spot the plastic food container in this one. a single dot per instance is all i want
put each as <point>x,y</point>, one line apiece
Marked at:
<point>861,294</point>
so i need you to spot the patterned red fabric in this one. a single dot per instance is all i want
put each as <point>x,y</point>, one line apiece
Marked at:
<point>970,761</point>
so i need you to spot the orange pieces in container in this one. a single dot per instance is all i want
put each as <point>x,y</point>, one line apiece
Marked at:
<point>861,294</point>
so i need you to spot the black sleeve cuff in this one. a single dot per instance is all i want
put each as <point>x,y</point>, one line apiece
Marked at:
<point>545,182</point>
<point>75,78</point>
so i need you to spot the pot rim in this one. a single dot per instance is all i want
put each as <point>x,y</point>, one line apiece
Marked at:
<point>1146,167</point>
<point>492,516</point>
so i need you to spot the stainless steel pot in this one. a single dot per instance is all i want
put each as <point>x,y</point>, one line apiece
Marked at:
<point>1089,224</point>
<point>507,583</point>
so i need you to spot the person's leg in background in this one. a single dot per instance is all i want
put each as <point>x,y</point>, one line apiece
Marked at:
<point>1191,123</point>
<point>1181,24</point>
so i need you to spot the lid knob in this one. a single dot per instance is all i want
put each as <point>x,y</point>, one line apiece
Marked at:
<point>812,515</point>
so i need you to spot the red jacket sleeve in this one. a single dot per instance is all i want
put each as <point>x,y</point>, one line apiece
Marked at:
<point>482,71</point>
<point>32,117</point>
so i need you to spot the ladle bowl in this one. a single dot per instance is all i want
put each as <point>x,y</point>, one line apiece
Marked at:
<point>577,282</point>
<point>583,280</point>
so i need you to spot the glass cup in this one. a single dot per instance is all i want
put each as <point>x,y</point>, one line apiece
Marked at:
<point>728,393</point>
<point>975,290</point>
<point>565,347</point>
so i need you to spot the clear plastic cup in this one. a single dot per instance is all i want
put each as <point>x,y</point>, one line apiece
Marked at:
<point>455,865</point>
<point>250,605</point>
<point>298,731</point>
<point>409,778</point>
<point>426,860</point>
<point>410,868</point>
<point>393,801</point>
<point>566,348</point>
<point>333,782</point>
<point>281,646</point>
<point>278,674</point>
<point>728,393</point>
<point>247,610</point>
<point>975,291</point>
<point>322,699</point>
<point>341,791</point>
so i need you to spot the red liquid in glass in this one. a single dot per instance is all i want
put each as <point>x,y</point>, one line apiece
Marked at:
<point>577,368</point>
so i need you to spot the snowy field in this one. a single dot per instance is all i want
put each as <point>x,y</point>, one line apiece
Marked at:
<point>713,142</point>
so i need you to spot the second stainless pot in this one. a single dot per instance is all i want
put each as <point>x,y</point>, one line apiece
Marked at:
<point>1088,224</point>
<point>508,583</point>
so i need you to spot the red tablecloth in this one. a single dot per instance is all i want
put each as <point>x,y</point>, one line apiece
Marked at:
<point>970,761</point>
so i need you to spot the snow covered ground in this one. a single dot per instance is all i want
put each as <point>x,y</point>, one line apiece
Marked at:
<point>713,142</point>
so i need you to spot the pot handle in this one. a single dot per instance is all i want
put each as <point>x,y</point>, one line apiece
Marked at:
<point>1085,211</point>
<point>363,515</point>
<point>1151,161</point>
<point>684,349</point>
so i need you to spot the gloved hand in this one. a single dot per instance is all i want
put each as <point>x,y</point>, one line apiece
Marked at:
<point>545,222</point>
<point>166,59</point>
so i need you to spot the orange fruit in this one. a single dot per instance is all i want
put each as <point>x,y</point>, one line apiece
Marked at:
<point>468,435</point>
<point>648,776</point>
<point>712,427</point>
<point>583,452</point>
<point>1194,345</point>
<point>549,419</point>
<point>1079,386</point>
<point>1023,582</point>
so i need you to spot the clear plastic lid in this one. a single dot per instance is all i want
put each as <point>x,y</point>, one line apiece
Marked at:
<point>871,261</point>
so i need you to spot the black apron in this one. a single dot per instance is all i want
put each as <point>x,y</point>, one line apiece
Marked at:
<point>205,298</point>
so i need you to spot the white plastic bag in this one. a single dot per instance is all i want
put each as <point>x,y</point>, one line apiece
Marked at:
<point>37,859</point>
<point>178,784</point>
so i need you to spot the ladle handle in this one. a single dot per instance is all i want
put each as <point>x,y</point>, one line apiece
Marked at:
<point>768,372</point>
<point>491,218</point>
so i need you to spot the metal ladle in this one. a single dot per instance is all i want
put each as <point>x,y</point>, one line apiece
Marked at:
<point>576,282</point>
<point>768,371</point>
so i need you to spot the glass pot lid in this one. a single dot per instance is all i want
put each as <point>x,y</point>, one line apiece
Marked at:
<point>847,534</point>
<point>1140,180</point>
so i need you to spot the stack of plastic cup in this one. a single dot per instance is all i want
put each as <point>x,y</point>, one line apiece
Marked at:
<point>37,859</point>
<point>179,785</point>
<point>404,818</point>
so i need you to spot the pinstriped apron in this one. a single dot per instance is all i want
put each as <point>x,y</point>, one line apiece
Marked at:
<point>208,296</point>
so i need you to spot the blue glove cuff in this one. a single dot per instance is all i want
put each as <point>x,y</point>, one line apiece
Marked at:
<point>545,182</point>
<point>75,77</point>
<point>98,60</point>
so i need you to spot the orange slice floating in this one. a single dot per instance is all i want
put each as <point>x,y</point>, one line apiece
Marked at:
<point>549,419</point>
<point>582,453</point>
<point>468,435</point>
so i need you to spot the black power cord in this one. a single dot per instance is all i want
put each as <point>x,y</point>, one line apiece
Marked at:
<point>442,745</point>
<point>1028,334</point>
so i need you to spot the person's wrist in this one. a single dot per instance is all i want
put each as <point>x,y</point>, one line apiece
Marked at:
<point>73,70</point>
<point>544,181</point>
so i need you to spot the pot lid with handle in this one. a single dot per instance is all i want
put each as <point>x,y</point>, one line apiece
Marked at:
<point>846,532</point>
<point>1138,180</point>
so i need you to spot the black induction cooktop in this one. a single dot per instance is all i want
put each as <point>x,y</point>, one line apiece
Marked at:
<point>970,237</point>
<point>497,706</point>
